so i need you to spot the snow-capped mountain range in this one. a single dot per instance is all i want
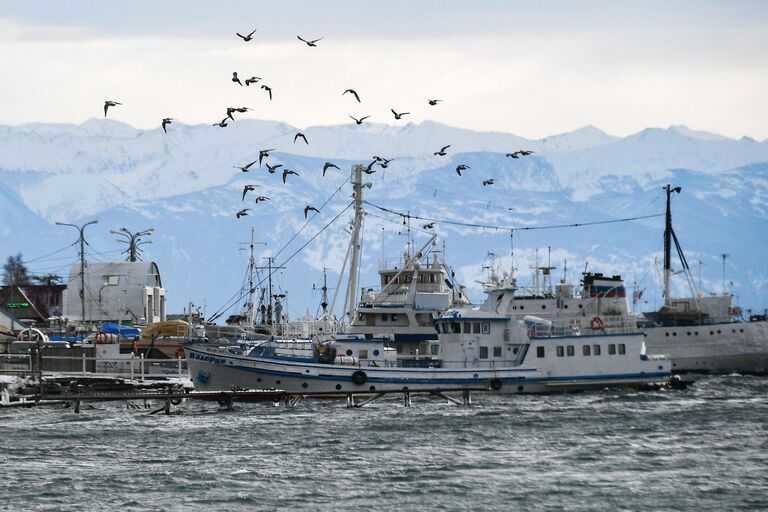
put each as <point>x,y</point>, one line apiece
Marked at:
<point>184,185</point>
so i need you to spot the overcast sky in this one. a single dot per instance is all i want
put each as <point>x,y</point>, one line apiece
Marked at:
<point>529,68</point>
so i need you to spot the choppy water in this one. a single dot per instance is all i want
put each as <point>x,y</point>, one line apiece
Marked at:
<point>704,448</point>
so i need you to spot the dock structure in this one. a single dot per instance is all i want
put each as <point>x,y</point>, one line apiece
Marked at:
<point>174,395</point>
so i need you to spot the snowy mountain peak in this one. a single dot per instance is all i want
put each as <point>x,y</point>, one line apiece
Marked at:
<point>697,134</point>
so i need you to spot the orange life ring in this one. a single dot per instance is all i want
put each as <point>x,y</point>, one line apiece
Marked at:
<point>180,353</point>
<point>101,337</point>
<point>597,323</point>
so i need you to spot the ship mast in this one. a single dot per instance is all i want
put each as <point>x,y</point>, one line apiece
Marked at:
<point>357,186</point>
<point>668,234</point>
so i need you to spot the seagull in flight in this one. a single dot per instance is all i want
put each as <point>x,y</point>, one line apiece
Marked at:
<point>272,168</point>
<point>295,137</point>
<point>261,198</point>
<point>246,38</point>
<point>309,43</point>
<point>264,153</point>
<point>245,168</point>
<point>516,154</point>
<point>442,151</point>
<point>369,168</point>
<point>433,102</point>
<point>488,182</point>
<point>398,116</point>
<point>242,213</point>
<point>525,153</point>
<point>354,93</point>
<point>327,166</point>
<point>383,162</point>
<point>461,167</point>
<point>222,123</point>
<point>431,225</point>
<point>308,209</point>
<point>110,103</point>
<point>269,90</point>
<point>232,110</point>
<point>286,172</point>
<point>167,121</point>
<point>248,188</point>
<point>359,121</point>
<point>235,79</point>
<point>252,80</point>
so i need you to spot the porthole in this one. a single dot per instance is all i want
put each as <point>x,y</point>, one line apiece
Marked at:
<point>405,388</point>
<point>474,375</point>
<point>666,334</point>
<point>661,367</point>
<point>695,333</point>
<point>688,333</point>
<point>581,306</point>
<point>719,331</point>
<point>372,388</point>
<point>306,371</point>
<point>338,386</point>
<point>741,330</point>
<point>543,306</point>
<point>304,385</point>
<point>349,352</point>
<point>711,333</point>
<point>522,307</point>
<point>277,382</point>
<point>565,306</point>
<point>520,388</point>
<point>376,352</point>
<point>258,379</point>
<point>674,334</point>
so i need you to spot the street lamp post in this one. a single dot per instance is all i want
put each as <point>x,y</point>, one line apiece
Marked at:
<point>133,240</point>
<point>80,229</point>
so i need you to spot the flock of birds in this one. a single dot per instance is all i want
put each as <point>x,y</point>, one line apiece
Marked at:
<point>264,154</point>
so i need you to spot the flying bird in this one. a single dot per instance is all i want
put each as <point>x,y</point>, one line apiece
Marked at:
<point>488,182</point>
<point>354,93</point>
<point>167,121</point>
<point>308,209</point>
<point>235,79</point>
<point>261,198</point>
<point>108,104</point>
<point>222,123</point>
<point>263,154</point>
<point>328,165</point>
<point>295,137</point>
<point>309,43</point>
<point>461,167</point>
<point>429,226</point>
<point>360,121</point>
<point>232,110</point>
<point>272,168</point>
<point>248,188</point>
<point>442,151</point>
<point>369,168</point>
<point>525,153</point>
<point>252,80</point>
<point>286,172</point>
<point>246,38</point>
<point>401,114</point>
<point>245,168</point>
<point>242,213</point>
<point>269,90</point>
<point>516,154</point>
<point>433,102</point>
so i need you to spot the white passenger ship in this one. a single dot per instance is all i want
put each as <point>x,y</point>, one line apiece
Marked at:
<point>477,348</point>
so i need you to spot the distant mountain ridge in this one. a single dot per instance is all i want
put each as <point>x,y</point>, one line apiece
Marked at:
<point>184,185</point>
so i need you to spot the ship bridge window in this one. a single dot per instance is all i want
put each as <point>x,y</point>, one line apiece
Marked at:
<point>394,317</point>
<point>467,328</point>
<point>585,349</point>
<point>611,349</point>
<point>496,351</point>
<point>622,349</point>
<point>361,316</point>
<point>539,351</point>
<point>596,350</point>
<point>475,327</point>
<point>483,352</point>
<point>560,351</point>
<point>569,350</point>
<point>384,317</point>
<point>455,327</point>
<point>434,349</point>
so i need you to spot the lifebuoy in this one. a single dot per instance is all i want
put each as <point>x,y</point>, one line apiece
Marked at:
<point>359,377</point>
<point>180,353</point>
<point>101,337</point>
<point>495,384</point>
<point>596,323</point>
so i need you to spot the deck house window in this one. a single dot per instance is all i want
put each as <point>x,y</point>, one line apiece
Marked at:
<point>486,328</point>
<point>467,328</point>
<point>622,349</point>
<point>539,351</point>
<point>570,350</point>
<point>483,352</point>
<point>394,317</point>
<point>384,317</point>
<point>456,327</point>
<point>611,349</point>
<point>560,351</point>
<point>496,351</point>
<point>585,350</point>
<point>596,350</point>
<point>475,327</point>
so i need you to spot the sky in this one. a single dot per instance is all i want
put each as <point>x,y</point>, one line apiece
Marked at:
<point>530,68</point>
